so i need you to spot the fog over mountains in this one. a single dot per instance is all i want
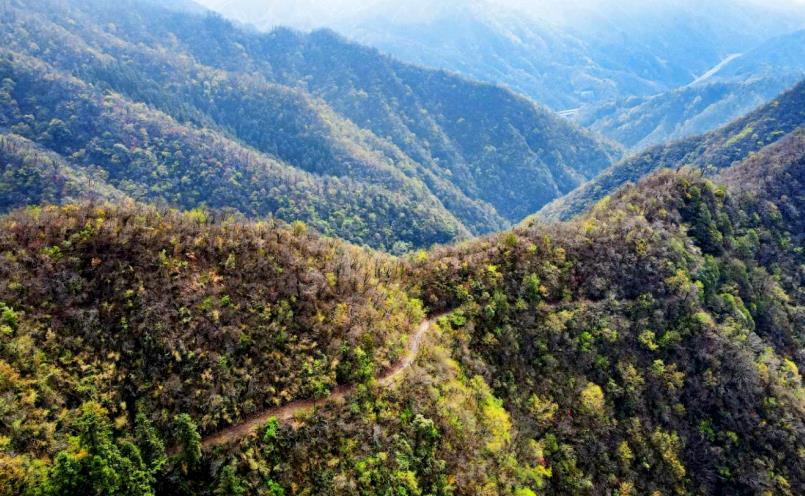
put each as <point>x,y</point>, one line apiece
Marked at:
<point>611,65</point>
<point>601,48</point>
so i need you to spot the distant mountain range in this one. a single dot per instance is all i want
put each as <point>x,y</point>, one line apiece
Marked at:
<point>193,111</point>
<point>710,152</point>
<point>564,55</point>
<point>730,90</point>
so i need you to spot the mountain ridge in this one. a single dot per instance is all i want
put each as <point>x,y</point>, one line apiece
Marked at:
<point>420,136</point>
<point>634,349</point>
<point>732,89</point>
<point>712,151</point>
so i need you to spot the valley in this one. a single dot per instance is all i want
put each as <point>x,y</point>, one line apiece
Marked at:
<point>248,259</point>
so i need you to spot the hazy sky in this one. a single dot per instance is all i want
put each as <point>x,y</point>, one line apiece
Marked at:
<point>317,13</point>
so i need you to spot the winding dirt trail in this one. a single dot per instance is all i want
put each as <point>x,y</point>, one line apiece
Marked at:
<point>287,413</point>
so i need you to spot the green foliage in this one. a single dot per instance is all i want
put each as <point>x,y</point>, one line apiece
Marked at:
<point>152,447</point>
<point>8,320</point>
<point>96,463</point>
<point>189,441</point>
<point>709,152</point>
<point>227,120</point>
<point>592,399</point>
<point>647,371</point>
<point>229,484</point>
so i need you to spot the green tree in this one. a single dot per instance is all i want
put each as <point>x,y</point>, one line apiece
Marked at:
<point>189,440</point>
<point>96,464</point>
<point>229,484</point>
<point>150,443</point>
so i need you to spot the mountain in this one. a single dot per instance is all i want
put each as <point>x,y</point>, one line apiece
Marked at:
<point>776,55</point>
<point>30,175</point>
<point>709,152</point>
<point>197,299</point>
<point>636,349</point>
<point>162,317</point>
<point>302,127</point>
<point>732,89</point>
<point>564,55</point>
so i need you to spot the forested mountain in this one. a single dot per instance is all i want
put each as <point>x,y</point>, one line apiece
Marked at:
<point>30,175</point>
<point>710,152</point>
<point>149,317</point>
<point>639,348</point>
<point>302,127</point>
<point>562,54</point>
<point>202,292</point>
<point>731,90</point>
<point>635,350</point>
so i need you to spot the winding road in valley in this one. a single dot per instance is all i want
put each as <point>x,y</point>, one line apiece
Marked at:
<point>288,412</point>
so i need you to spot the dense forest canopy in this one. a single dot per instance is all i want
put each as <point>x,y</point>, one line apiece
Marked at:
<point>202,291</point>
<point>639,72</point>
<point>634,350</point>
<point>709,152</point>
<point>301,127</point>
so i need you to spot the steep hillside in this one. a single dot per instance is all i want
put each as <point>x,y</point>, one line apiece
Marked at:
<point>152,316</point>
<point>562,54</point>
<point>632,351</point>
<point>774,174</point>
<point>442,147</point>
<point>149,156</point>
<point>638,348</point>
<point>742,83</point>
<point>32,176</point>
<point>710,152</point>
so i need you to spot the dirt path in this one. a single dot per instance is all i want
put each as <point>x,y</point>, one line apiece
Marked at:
<point>287,413</point>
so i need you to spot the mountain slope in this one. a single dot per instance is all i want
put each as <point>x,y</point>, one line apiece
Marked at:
<point>715,150</point>
<point>779,54</point>
<point>736,87</point>
<point>32,176</point>
<point>149,156</point>
<point>635,350</point>
<point>334,110</point>
<point>189,307</point>
<point>640,346</point>
<point>563,55</point>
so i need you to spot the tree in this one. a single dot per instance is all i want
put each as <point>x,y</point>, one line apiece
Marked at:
<point>96,463</point>
<point>592,399</point>
<point>229,484</point>
<point>188,438</point>
<point>150,443</point>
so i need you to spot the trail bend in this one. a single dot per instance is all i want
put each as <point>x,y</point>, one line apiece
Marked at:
<point>286,413</point>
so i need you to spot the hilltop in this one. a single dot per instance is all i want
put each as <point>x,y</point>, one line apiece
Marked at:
<point>634,349</point>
